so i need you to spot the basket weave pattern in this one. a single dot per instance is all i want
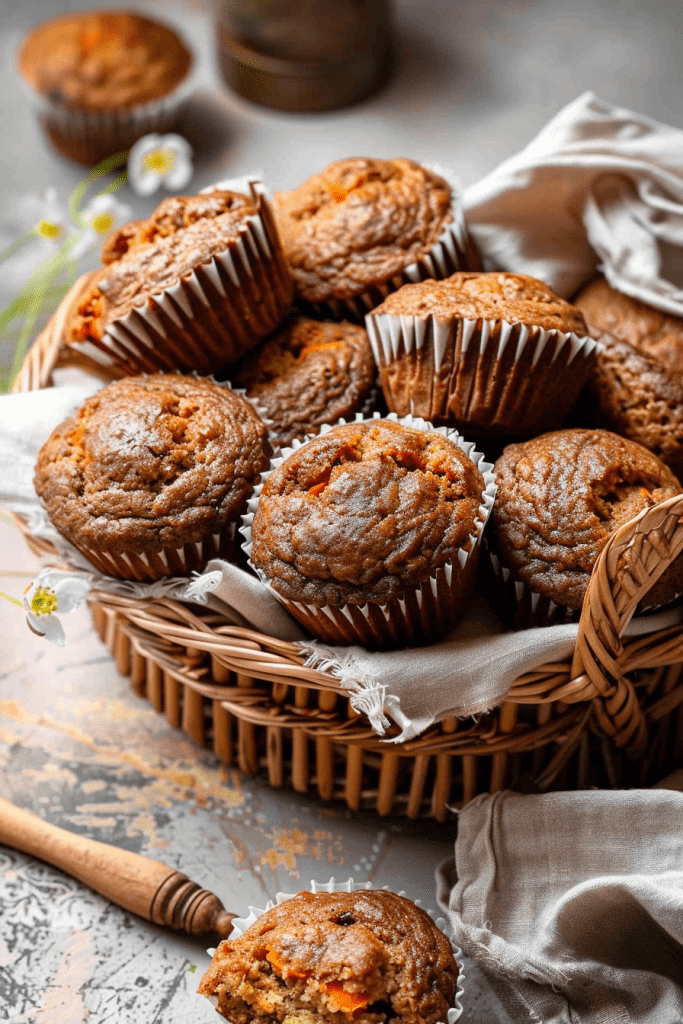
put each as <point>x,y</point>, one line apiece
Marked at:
<point>248,696</point>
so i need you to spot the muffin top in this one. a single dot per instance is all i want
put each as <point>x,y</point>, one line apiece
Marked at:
<point>368,956</point>
<point>103,60</point>
<point>514,298</point>
<point>151,462</point>
<point>641,399</point>
<point>363,512</point>
<point>651,332</point>
<point>145,256</point>
<point>358,223</point>
<point>560,497</point>
<point>308,373</point>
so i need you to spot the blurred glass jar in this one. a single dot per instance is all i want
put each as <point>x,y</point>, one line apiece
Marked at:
<point>304,54</point>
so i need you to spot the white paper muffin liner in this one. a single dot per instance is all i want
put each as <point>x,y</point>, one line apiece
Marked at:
<point>89,136</point>
<point>453,251</point>
<point>487,376</point>
<point>240,925</point>
<point>517,603</point>
<point>423,612</point>
<point>214,314</point>
<point>150,566</point>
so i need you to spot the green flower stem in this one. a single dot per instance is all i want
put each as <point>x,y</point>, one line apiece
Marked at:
<point>11,249</point>
<point>12,599</point>
<point>76,197</point>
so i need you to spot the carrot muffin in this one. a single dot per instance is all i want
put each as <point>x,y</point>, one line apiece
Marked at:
<point>193,287</point>
<point>370,532</point>
<point>149,478</point>
<point>103,79</point>
<point>309,373</point>
<point>636,386</point>
<point>363,227</point>
<point>560,497</point>
<point>366,957</point>
<point>495,354</point>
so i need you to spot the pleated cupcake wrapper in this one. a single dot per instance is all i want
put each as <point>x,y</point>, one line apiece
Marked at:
<point>150,566</point>
<point>450,253</point>
<point>240,925</point>
<point>523,607</point>
<point>489,375</point>
<point>429,609</point>
<point>214,314</point>
<point>90,135</point>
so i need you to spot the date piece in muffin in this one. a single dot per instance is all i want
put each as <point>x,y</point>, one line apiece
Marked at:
<point>182,290</point>
<point>493,354</point>
<point>560,497</point>
<point>352,232</point>
<point>636,386</point>
<point>103,79</point>
<point>367,957</point>
<point>370,532</point>
<point>309,373</point>
<point>150,476</point>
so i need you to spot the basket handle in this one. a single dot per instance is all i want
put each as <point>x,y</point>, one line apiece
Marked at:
<point>49,350</point>
<point>629,565</point>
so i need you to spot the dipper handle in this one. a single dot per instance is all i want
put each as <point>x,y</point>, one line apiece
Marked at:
<point>145,887</point>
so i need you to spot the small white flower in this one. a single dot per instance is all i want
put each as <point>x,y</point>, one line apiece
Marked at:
<point>41,215</point>
<point>51,592</point>
<point>157,160</point>
<point>102,215</point>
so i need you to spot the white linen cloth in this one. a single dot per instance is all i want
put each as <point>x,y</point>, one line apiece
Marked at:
<point>598,187</point>
<point>572,903</point>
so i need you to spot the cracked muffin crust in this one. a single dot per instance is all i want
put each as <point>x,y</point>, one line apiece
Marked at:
<point>494,354</point>
<point>150,476</point>
<point>176,293</point>
<point>103,60</point>
<point>561,496</point>
<point>636,387</point>
<point>367,957</point>
<point>308,373</point>
<point>370,532</point>
<point>359,223</point>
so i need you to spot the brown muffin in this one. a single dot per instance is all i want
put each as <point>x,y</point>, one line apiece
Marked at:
<point>560,497</point>
<point>636,386</point>
<point>648,330</point>
<point>308,373</point>
<point>150,476</point>
<point>369,533</point>
<point>353,231</point>
<point>103,79</point>
<point>493,354</point>
<point>182,290</point>
<point>365,957</point>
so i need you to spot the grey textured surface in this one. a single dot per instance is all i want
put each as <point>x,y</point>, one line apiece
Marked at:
<point>473,83</point>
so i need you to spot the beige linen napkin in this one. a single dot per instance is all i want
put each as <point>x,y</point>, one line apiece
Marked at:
<point>572,903</point>
<point>600,187</point>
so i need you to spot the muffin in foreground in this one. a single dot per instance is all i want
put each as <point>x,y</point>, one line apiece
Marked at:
<point>366,957</point>
<point>100,80</point>
<point>560,498</point>
<point>370,532</point>
<point>191,288</point>
<point>636,385</point>
<point>493,354</point>
<point>309,373</point>
<point>363,227</point>
<point>150,477</point>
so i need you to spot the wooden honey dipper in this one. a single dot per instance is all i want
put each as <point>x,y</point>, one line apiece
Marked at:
<point>145,887</point>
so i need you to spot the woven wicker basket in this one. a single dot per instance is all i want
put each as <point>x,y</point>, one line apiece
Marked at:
<point>610,716</point>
